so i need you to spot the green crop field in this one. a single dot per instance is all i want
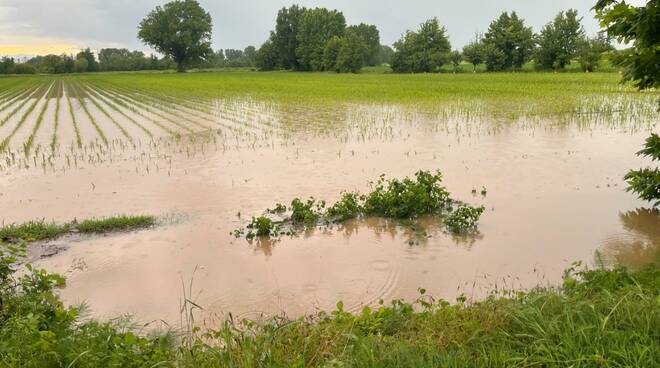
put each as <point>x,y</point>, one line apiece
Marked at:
<point>129,107</point>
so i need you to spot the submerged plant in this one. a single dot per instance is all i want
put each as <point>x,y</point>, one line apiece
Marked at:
<point>408,198</point>
<point>261,226</point>
<point>307,213</point>
<point>349,206</point>
<point>463,219</point>
<point>398,199</point>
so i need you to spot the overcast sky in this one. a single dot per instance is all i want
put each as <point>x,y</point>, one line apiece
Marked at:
<point>55,26</point>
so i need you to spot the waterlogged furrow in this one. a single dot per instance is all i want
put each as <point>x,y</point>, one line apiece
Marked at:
<point>56,117</point>
<point>149,110</point>
<point>98,100</point>
<point>74,122</point>
<point>161,109</point>
<point>11,91</point>
<point>25,98</point>
<point>77,95</point>
<point>117,104</point>
<point>104,112</point>
<point>179,104</point>
<point>27,146</point>
<point>39,94</point>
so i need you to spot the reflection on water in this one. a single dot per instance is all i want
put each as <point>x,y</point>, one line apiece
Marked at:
<point>417,232</point>
<point>639,245</point>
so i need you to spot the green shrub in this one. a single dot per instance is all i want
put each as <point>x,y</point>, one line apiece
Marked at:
<point>463,219</point>
<point>348,207</point>
<point>306,213</point>
<point>262,226</point>
<point>407,198</point>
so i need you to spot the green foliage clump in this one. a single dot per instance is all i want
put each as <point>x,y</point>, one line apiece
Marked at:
<point>423,51</point>
<point>180,29</point>
<point>407,198</point>
<point>261,226</point>
<point>559,40</point>
<point>646,182</point>
<point>306,212</point>
<point>349,206</point>
<point>315,28</point>
<point>591,50</point>
<point>508,43</point>
<point>637,25</point>
<point>463,219</point>
<point>390,198</point>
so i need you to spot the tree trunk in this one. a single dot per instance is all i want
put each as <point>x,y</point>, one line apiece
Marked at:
<point>180,68</point>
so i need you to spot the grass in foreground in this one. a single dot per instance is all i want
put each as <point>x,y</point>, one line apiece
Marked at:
<point>42,230</point>
<point>598,318</point>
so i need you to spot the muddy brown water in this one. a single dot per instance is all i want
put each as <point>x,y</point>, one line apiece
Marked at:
<point>554,196</point>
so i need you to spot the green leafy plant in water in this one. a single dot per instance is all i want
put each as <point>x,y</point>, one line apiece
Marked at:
<point>408,198</point>
<point>463,219</point>
<point>261,226</point>
<point>646,182</point>
<point>279,208</point>
<point>349,206</point>
<point>308,212</point>
<point>399,199</point>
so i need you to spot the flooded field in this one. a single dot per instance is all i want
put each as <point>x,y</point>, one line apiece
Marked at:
<point>79,148</point>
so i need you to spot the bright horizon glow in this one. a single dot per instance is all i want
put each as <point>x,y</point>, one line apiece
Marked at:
<point>37,49</point>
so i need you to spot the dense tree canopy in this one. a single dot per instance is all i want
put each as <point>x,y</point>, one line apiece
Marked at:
<point>371,39</point>
<point>508,44</point>
<point>316,28</point>
<point>285,36</point>
<point>590,51</point>
<point>641,27</point>
<point>180,29</point>
<point>559,40</point>
<point>423,51</point>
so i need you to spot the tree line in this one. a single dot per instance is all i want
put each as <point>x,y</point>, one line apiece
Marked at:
<point>319,39</point>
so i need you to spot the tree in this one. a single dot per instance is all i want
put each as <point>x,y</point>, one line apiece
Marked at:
<point>285,36</point>
<point>508,43</point>
<point>422,51</point>
<point>331,52</point>
<point>559,40</point>
<point>267,57</point>
<point>646,182</point>
<point>455,57</point>
<point>7,65</point>
<point>316,27</point>
<point>639,26</point>
<point>81,65</point>
<point>180,29</point>
<point>371,38</point>
<point>590,51</point>
<point>350,58</point>
<point>474,53</point>
<point>88,55</point>
<point>250,55</point>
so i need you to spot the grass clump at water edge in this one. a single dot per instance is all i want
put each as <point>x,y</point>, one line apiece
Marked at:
<point>42,230</point>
